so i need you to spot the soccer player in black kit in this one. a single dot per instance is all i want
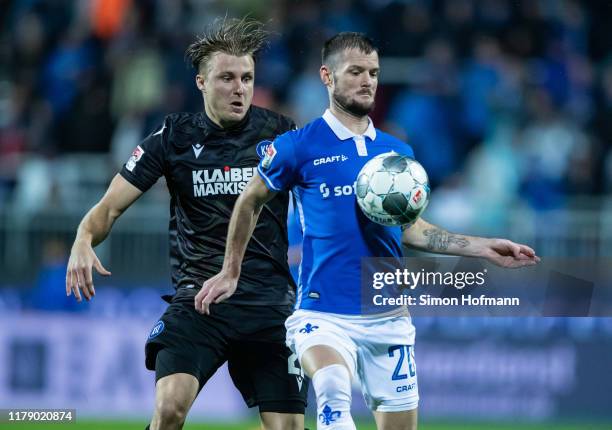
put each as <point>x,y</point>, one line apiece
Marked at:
<point>207,158</point>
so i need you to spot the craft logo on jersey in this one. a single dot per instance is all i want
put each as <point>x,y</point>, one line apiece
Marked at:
<point>270,154</point>
<point>227,180</point>
<point>134,158</point>
<point>330,159</point>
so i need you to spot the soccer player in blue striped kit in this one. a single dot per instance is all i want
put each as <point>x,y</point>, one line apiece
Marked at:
<point>334,340</point>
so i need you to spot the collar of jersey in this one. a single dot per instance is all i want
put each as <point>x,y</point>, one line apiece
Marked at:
<point>344,133</point>
<point>208,123</point>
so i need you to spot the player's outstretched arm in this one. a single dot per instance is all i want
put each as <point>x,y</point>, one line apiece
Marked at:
<point>241,226</point>
<point>502,252</point>
<point>92,230</point>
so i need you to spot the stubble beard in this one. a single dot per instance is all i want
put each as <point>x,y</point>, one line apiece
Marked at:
<point>352,106</point>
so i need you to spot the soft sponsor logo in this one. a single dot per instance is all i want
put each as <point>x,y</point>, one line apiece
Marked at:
<point>228,180</point>
<point>134,158</point>
<point>270,154</point>
<point>337,191</point>
<point>330,159</point>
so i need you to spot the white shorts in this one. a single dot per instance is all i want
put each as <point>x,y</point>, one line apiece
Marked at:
<point>378,350</point>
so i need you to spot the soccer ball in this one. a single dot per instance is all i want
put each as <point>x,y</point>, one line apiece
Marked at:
<point>392,189</point>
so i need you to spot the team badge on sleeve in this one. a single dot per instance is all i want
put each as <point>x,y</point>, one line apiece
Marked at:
<point>270,154</point>
<point>157,329</point>
<point>262,147</point>
<point>134,158</point>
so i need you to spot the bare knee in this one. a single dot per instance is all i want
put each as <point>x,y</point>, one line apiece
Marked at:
<point>174,396</point>
<point>171,414</point>
<point>318,356</point>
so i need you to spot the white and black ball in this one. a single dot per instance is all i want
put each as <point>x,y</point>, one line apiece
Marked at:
<point>392,189</point>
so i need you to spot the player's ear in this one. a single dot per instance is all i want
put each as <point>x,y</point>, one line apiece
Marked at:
<point>327,76</point>
<point>200,82</point>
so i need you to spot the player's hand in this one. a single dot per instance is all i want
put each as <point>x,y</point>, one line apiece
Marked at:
<point>78,274</point>
<point>215,290</point>
<point>505,253</point>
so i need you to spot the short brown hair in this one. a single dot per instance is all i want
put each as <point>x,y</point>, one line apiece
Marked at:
<point>232,36</point>
<point>346,40</point>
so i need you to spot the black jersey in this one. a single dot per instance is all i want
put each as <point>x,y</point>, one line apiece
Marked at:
<point>206,167</point>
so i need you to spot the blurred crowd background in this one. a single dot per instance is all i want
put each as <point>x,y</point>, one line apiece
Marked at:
<point>507,104</point>
<point>509,98</point>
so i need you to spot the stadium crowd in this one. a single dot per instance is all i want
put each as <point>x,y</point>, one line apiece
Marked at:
<point>498,97</point>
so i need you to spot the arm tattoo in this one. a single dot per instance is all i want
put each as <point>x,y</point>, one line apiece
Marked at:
<point>439,240</point>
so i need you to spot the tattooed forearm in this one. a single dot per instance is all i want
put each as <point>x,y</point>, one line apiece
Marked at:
<point>439,240</point>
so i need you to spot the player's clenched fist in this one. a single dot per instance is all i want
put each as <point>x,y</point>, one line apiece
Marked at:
<point>215,290</point>
<point>79,273</point>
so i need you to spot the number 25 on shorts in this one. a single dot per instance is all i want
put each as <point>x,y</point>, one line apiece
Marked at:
<point>406,352</point>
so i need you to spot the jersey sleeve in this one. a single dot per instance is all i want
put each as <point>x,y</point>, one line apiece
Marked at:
<point>278,167</point>
<point>146,164</point>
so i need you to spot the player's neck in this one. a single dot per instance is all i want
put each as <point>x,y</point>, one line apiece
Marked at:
<point>224,125</point>
<point>356,124</point>
<point>211,116</point>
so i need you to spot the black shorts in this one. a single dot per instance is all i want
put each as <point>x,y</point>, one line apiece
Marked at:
<point>250,338</point>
